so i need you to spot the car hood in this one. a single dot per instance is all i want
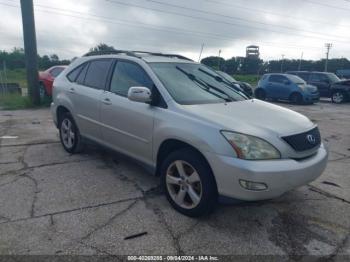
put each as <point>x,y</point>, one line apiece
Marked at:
<point>252,117</point>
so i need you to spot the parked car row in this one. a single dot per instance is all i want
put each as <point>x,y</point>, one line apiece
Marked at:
<point>294,86</point>
<point>303,87</point>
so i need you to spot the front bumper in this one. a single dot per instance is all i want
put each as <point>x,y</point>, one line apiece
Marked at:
<point>279,175</point>
<point>311,98</point>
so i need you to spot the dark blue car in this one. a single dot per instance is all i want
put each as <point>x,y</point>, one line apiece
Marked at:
<point>286,87</point>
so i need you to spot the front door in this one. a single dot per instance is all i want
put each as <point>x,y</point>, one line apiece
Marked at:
<point>277,87</point>
<point>127,126</point>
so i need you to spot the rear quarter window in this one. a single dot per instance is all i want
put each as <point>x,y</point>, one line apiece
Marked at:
<point>73,75</point>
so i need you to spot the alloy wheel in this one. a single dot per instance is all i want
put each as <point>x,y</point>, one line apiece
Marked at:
<point>184,184</point>
<point>68,134</point>
<point>338,97</point>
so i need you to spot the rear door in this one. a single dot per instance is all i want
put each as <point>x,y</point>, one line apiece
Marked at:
<point>127,126</point>
<point>322,82</point>
<point>86,95</point>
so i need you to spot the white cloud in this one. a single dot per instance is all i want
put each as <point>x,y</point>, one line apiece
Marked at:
<point>72,33</point>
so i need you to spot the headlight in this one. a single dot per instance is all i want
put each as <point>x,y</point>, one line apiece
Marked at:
<point>250,147</point>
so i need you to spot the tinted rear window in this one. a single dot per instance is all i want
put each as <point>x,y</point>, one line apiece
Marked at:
<point>56,71</point>
<point>97,73</point>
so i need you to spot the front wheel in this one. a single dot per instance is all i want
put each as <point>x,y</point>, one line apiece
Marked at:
<point>69,134</point>
<point>338,97</point>
<point>189,183</point>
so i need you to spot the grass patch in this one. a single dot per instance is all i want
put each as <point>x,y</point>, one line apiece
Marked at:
<point>17,101</point>
<point>17,76</point>
<point>251,79</point>
<point>14,102</point>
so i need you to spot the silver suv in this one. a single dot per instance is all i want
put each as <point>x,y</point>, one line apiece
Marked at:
<point>191,127</point>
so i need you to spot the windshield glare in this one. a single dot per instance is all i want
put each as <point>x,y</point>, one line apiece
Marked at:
<point>296,79</point>
<point>227,76</point>
<point>191,84</point>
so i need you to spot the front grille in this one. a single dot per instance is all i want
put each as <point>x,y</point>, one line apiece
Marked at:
<point>304,141</point>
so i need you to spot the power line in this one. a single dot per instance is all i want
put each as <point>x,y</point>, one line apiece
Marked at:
<point>327,5</point>
<point>157,28</point>
<point>218,21</point>
<point>194,17</point>
<point>234,17</point>
<point>261,11</point>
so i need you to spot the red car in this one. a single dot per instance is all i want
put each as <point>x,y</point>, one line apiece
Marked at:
<point>46,79</point>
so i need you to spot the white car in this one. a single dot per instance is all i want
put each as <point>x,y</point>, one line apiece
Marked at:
<point>188,125</point>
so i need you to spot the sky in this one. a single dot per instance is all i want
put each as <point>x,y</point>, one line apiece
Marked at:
<point>69,28</point>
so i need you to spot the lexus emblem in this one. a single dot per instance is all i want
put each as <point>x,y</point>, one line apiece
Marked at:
<point>311,139</point>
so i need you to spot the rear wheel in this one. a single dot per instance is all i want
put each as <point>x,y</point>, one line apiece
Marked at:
<point>260,94</point>
<point>338,97</point>
<point>69,134</point>
<point>296,98</point>
<point>189,183</point>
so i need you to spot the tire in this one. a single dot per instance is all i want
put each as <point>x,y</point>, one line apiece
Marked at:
<point>260,94</point>
<point>70,137</point>
<point>198,196</point>
<point>42,92</point>
<point>338,97</point>
<point>296,98</point>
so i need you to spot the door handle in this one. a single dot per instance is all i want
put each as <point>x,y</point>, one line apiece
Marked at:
<point>71,90</point>
<point>107,101</point>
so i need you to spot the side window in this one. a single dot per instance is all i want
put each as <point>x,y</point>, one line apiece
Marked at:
<point>72,76</point>
<point>56,71</point>
<point>127,75</point>
<point>277,79</point>
<point>81,78</point>
<point>304,76</point>
<point>97,72</point>
<point>319,78</point>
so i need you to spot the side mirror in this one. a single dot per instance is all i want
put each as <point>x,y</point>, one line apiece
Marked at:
<point>140,94</point>
<point>286,82</point>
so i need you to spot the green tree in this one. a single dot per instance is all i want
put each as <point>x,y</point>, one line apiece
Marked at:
<point>215,62</point>
<point>102,47</point>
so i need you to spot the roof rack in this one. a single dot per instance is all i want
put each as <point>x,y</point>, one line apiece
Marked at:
<point>134,54</point>
<point>165,55</point>
<point>110,52</point>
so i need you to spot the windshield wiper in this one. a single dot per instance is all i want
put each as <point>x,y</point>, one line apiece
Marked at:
<point>223,80</point>
<point>205,86</point>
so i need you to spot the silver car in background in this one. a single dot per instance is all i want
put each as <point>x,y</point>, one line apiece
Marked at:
<point>188,125</point>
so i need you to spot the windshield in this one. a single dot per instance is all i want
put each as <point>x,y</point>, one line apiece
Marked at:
<point>227,76</point>
<point>191,84</point>
<point>333,78</point>
<point>296,79</point>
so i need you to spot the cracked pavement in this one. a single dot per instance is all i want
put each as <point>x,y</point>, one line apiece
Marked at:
<point>54,203</point>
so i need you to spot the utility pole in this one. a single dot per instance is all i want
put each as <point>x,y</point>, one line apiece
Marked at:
<point>200,53</point>
<point>219,59</point>
<point>301,58</point>
<point>282,63</point>
<point>30,50</point>
<point>328,47</point>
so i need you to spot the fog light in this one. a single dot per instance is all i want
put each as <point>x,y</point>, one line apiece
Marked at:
<point>255,186</point>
